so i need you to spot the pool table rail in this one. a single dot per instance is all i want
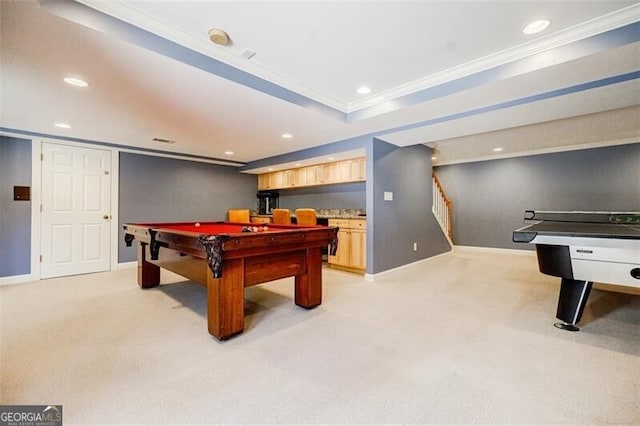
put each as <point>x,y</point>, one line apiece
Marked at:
<point>211,246</point>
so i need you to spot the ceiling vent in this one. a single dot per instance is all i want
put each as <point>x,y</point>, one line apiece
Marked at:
<point>163,140</point>
<point>247,53</point>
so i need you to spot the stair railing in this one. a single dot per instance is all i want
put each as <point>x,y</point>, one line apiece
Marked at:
<point>442,208</point>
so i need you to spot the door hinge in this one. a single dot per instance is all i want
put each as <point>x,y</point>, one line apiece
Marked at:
<point>41,157</point>
<point>40,208</point>
<point>40,258</point>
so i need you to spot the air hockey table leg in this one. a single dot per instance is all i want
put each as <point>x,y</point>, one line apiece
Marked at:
<point>571,303</point>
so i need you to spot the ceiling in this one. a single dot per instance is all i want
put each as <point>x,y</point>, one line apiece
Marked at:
<point>460,77</point>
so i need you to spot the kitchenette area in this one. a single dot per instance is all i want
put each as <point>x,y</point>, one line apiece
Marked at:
<point>335,190</point>
<point>352,235</point>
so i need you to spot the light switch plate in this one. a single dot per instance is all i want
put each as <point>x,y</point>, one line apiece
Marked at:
<point>388,196</point>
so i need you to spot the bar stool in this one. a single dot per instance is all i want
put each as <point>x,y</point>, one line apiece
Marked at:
<point>281,216</point>
<point>306,217</point>
<point>239,215</point>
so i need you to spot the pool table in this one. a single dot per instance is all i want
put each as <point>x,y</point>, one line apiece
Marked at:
<point>226,257</point>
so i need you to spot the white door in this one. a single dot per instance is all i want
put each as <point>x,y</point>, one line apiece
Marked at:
<point>76,211</point>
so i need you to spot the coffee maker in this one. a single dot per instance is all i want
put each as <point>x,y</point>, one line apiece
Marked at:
<point>267,201</point>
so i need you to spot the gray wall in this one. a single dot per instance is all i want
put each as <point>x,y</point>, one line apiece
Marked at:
<point>155,189</point>
<point>339,196</point>
<point>15,216</point>
<point>392,227</point>
<point>490,197</point>
<point>408,218</point>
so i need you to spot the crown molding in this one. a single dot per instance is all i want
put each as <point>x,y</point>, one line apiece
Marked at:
<point>573,34</point>
<point>127,12</point>
<point>70,140</point>
<point>552,150</point>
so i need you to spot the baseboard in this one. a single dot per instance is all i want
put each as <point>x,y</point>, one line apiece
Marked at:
<point>458,249</point>
<point>373,277</point>
<point>17,279</point>
<point>454,249</point>
<point>346,269</point>
<point>126,265</point>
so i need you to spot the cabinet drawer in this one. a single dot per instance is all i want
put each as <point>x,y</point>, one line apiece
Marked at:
<point>341,223</point>
<point>260,220</point>
<point>358,224</point>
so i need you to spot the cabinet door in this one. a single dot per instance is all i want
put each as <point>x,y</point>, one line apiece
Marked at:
<point>278,180</point>
<point>288,178</point>
<point>344,171</point>
<point>315,174</point>
<point>332,172</point>
<point>312,175</point>
<point>357,169</point>
<point>358,249</point>
<point>300,176</point>
<point>264,181</point>
<point>344,247</point>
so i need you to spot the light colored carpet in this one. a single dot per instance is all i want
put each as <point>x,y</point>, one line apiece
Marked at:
<point>462,338</point>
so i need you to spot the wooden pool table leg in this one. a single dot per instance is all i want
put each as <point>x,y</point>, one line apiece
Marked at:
<point>225,300</point>
<point>308,290</point>
<point>148,273</point>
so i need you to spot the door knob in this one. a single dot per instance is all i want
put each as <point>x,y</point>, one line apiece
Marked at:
<point>105,217</point>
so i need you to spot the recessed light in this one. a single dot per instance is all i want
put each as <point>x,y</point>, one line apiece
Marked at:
<point>497,149</point>
<point>536,26</point>
<point>63,125</point>
<point>270,169</point>
<point>434,158</point>
<point>364,90</point>
<point>298,164</point>
<point>330,158</point>
<point>75,82</point>
<point>287,136</point>
<point>229,152</point>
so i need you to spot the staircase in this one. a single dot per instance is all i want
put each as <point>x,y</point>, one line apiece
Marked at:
<point>442,208</point>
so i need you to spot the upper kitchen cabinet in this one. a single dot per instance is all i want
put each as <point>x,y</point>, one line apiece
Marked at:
<point>264,181</point>
<point>344,171</point>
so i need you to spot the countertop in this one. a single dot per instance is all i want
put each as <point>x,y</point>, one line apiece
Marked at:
<point>328,214</point>
<point>321,216</point>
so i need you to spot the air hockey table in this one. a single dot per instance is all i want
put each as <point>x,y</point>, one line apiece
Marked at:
<point>582,248</point>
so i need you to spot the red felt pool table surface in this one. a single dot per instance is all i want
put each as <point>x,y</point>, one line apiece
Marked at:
<point>225,259</point>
